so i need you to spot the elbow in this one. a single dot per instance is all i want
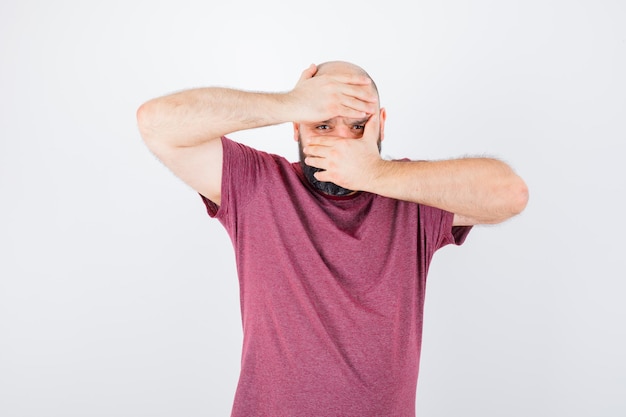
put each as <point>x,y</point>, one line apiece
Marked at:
<point>146,120</point>
<point>517,196</point>
<point>512,200</point>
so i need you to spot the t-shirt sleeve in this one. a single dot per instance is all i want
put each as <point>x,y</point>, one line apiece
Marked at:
<point>240,169</point>
<point>437,229</point>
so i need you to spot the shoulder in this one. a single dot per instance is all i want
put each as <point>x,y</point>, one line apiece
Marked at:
<point>237,151</point>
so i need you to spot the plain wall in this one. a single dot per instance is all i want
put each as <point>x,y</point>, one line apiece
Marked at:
<point>118,294</point>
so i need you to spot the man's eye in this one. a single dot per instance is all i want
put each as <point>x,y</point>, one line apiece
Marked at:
<point>322,127</point>
<point>358,127</point>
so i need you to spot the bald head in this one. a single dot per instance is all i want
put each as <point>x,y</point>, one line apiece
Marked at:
<point>343,67</point>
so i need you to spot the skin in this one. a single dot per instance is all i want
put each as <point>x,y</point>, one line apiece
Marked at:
<point>338,123</point>
<point>355,128</point>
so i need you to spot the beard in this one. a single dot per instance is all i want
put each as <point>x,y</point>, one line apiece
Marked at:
<point>328,188</point>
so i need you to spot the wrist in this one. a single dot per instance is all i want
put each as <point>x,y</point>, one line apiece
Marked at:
<point>286,106</point>
<point>377,180</point>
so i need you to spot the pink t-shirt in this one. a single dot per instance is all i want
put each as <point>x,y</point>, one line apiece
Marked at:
<point>332,291</point>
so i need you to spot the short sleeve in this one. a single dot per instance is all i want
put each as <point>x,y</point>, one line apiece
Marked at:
<point>240,167</point>
<point>437,230</point>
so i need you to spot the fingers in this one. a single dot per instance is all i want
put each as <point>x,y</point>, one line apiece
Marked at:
<point>315,156</point>
<point>317,151</point>
<point>317,148</point>
<point>318,142</point>
<point>354,79</point>
<point>361,91</point>
<point>372,128</point>
<point>355,108</point>
<point>358,100</point>
<point>325,96</point>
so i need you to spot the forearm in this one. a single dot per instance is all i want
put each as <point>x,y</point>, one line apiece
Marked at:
<point>483,189</point>
<point>192,117</point>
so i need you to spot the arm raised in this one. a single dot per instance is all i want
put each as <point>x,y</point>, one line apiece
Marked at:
<point>476,190</point>
<point>183,129</point>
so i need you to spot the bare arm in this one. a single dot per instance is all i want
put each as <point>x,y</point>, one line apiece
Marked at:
<point>476,190</point>
<point>183,129</point>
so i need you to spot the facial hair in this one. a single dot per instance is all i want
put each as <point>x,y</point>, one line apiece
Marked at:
<point>328,188</point>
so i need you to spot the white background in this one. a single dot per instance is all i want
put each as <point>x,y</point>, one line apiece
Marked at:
<point>118,295</point>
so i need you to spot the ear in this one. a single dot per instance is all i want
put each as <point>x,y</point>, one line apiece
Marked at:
<point>382,118</point>
<point>296,132</point>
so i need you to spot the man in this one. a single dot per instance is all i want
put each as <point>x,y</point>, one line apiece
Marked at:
<point>332,252</point>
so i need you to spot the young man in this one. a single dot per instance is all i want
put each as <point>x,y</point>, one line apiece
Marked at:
<point>332,251</point>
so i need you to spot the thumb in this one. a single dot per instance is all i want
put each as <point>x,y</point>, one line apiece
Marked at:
<point>308,73</point>
<point>371,133</point>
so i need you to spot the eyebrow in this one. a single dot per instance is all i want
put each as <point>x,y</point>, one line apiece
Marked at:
<point>357,121</point>
<point>348,122</point>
